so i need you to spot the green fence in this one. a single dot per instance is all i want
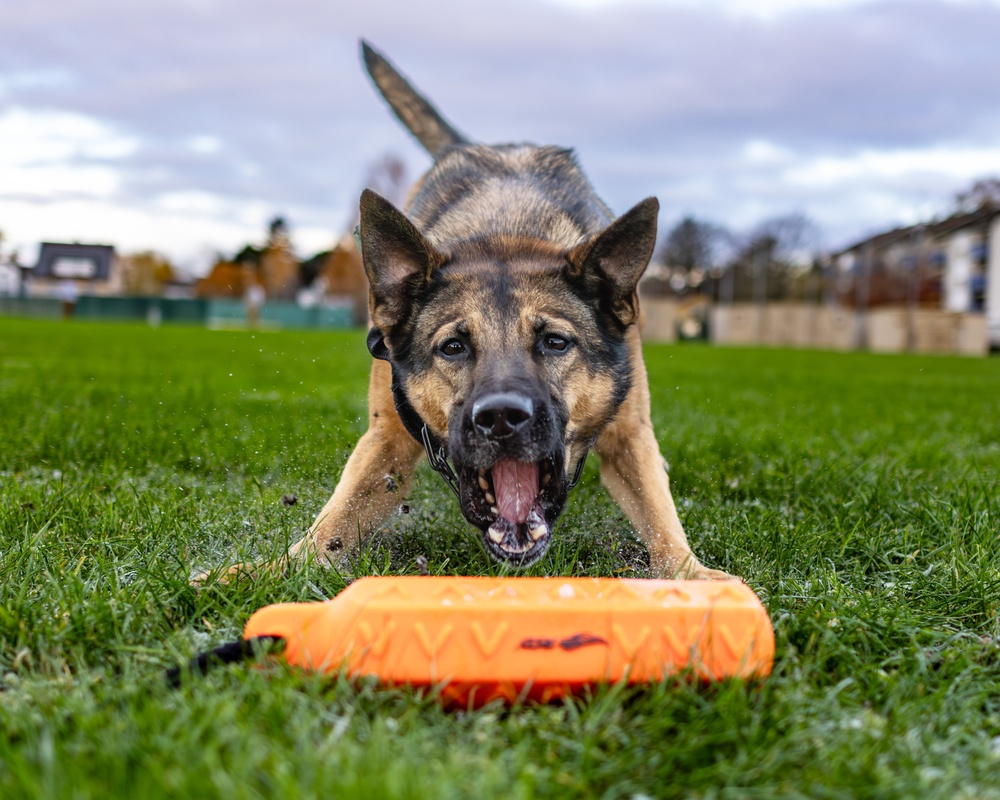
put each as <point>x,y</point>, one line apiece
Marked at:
<point>280,315</point>
<point>42,307</point>
<point>216,313</point>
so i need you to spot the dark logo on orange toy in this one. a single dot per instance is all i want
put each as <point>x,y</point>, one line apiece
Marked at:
<point>574,642</point>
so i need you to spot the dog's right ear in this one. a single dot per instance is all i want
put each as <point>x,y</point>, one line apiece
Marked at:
<point>398,260</point>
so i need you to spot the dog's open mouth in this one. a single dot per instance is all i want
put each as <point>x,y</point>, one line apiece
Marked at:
<point>515,503</point>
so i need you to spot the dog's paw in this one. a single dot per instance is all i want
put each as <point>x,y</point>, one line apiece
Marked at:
<point>224,576</point>
<point>692,570</point>
<point>705,574</point>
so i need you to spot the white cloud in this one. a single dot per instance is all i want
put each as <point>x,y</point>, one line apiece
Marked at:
<point>192,203</point>
<point>761,9</point>
<point>958,162</point>
<point>49,154</point>
<point>764,9</point>
<point>50,137</point>
<point>205,144</point>
<point>848,195</point>
<point>62,179</point>
<point>763,152</point>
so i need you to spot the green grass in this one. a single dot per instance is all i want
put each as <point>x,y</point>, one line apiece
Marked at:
<point>857,494</point>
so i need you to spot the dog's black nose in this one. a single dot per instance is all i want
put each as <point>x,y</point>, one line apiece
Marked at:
<point>501,414</point>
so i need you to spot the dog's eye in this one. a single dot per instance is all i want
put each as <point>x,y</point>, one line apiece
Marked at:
<point>452,348</point>
<point>559,344</point>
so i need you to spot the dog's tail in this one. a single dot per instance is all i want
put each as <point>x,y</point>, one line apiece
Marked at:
<point>412,109</point>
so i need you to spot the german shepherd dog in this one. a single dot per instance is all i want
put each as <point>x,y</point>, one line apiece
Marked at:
<point>504,312</point>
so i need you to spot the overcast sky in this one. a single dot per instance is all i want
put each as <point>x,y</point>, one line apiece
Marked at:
<point>185,125</point>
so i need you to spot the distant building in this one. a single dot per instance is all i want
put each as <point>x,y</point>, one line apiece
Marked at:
<point>92,269</point>
<point>953,263</point>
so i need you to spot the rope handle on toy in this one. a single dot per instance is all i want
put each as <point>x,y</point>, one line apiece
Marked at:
<point>228,653</point>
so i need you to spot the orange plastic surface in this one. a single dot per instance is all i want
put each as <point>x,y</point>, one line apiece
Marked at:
<point>479,639</point>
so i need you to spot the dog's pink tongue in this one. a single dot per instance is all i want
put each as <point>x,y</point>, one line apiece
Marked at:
<point>516,484</point>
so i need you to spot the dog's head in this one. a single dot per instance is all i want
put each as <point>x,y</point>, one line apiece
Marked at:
<point>512,352</point>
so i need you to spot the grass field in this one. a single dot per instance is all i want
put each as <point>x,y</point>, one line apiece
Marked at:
<point>857,495</point>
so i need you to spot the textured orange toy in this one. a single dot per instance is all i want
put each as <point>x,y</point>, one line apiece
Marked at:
<point>524,638</point>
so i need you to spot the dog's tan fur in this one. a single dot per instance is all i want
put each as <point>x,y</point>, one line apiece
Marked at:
<point>632,470</point>
<point>544,260</point>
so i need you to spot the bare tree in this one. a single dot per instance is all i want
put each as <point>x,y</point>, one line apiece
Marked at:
<point>386,176</point>
<point>691,251</point>
<point>688,245</point>
<point>985,192</point>
<point>789,239</point>
<point>774,255</point>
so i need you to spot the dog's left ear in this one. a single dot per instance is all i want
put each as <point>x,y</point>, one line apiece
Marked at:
<point>609,264</point>
<point>398,260</point>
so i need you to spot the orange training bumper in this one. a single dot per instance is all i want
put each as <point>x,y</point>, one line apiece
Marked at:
<point>518,638</point>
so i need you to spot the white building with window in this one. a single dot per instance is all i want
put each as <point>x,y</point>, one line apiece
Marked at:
<point>94,269</point>
<point>955,261</point>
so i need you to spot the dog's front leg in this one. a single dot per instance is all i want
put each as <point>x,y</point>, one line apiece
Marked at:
<point>634,473</point>
<point>377,477</point>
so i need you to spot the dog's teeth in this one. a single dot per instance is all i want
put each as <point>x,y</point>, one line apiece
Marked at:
<point>494,510</point>
<point>490,498</point>
<point>495,535</point>
<point>537,526</point>
<point>546,478</point>
<point>483,483</point>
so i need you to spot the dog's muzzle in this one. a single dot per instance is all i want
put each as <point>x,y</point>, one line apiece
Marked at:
<point>511,468</point>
